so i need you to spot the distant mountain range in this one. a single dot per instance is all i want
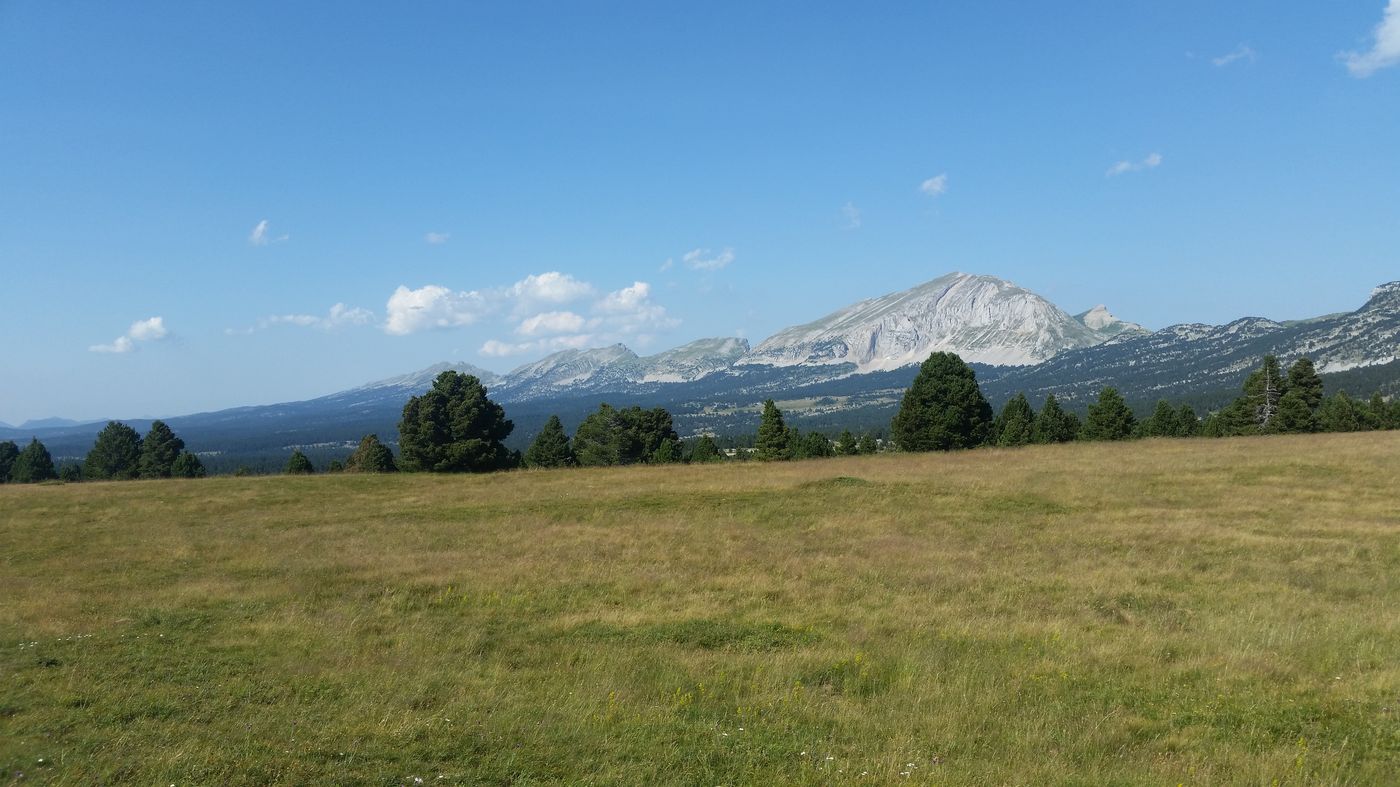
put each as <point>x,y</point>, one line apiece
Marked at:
<point>846,369</point>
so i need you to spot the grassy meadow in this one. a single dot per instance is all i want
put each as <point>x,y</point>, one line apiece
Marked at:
<point>1161,612</point>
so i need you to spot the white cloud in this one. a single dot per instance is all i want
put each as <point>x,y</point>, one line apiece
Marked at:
<point>550,322</point>
<point>852,216</point>
<point>704,260</point>
<point>436,238</point>
<point>627,315</point>
<point>630,311</point>
<point>122,344</point>
<point>339,316</point>
<point>935,186</point>
<point>1152,161</point>
<point>551,287</point>
<point>432,306</point>
<point>148,330</point>
<point>1242,52</point>
<point>667,265</point>
<point>552,344</point>
<point>262,235</point>
<point>1384,52</point>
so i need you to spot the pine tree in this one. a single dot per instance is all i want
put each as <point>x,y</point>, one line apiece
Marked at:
<point>1253,412</point>
<point>1294,416</point>
<point>1016,424</point>
<point>298,464</point>
<point>668,452</point>
<point>846,444</point>
<point>1377,414</point>
<point>70,472</point>
<point>867,445</point>
<point>816,445</point>
<point>187,465</point>
<point>159,450</point>
<point>645,433</point>
<point>454,428</point>
<point>1109,418</point>
<point>335,466</point>
<point>772,442</point>
<point>705,450</point>
<point>550,447</point>
<point>1339,413</point>
<point>1053,424</point>
<point>1216,425</point>
<point>1187,423</point>
<point>1303,378</point>
<point>943,409</point>
<point>371,456</point>
<point>116,454</point>
<point>623,437</point>
<point>597,440</point>
<point>34,464</point>
<point>1163,422</point>
<point>8,453</point>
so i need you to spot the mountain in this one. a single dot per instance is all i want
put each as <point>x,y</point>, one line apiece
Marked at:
<point>1102,322</point>
<point>847,370</point>
<point>1195,359</point>
<point>421,380</point>
<point>690,362</point>
<point>48,423</point>
<point>981,318</point>
<point>617,368</point>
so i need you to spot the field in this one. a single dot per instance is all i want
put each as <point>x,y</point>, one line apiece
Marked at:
<point>1160,612</point>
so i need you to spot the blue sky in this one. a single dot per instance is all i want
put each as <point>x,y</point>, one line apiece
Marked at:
<point>206,205</point>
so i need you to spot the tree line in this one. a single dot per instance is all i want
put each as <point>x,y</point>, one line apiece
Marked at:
<point>119,453</point>
<point>944,409</point>
<point>455,427</point>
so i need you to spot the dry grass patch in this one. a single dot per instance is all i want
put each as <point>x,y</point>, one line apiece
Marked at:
<point>1202,612</point>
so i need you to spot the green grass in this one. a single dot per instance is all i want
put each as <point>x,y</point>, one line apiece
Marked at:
<point>1162,612</point>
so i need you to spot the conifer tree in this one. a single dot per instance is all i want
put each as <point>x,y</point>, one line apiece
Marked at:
<point>187,465</point>
<point>1109,418</point>
<point>34,464</point>
<point>772,442</point>
<point>1339,413</point>
<point>1216,425</point>
<point>1303,378</point>
<point>623,437</point>
<point>115,455</point>
<point>1163,422</point>
<point>298,464</point>
<point>1187,423</point>
<point>597,440</point>
<point>70,472</point>
<point>1294,416</point>
<point>159,450</point>
<point>8,453</point>
<point>943,409</point>
<point>705,450</point>
<point>454,428</point>
<point>846,444</point>
<point>816,445</point>
<point>1377,414</point>
<point>550,447</point>
<point>668,452</point>
<point>335,466</point>
<point>1016,424</point>
<point>371,456</point>
<point>867,445</point>
<point>1053,424</point>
